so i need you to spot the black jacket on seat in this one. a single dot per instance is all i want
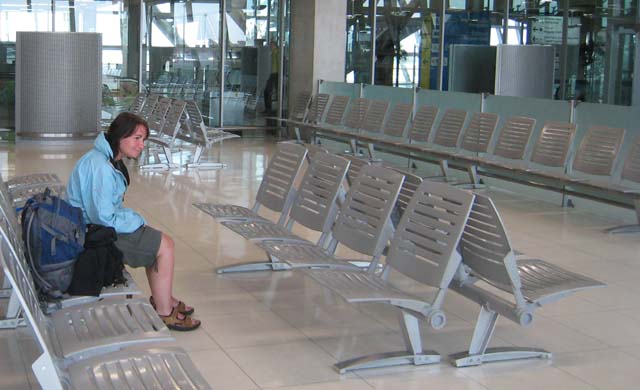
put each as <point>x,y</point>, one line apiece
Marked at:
<point>100,265</point>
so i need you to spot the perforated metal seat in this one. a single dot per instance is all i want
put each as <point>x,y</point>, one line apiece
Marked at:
<point>85,328</point>
<point>393,131</point>
<point>337,109</point>
<point>138,103</point>
<point>553,145</point>
<point>509,150</point>
<point>333,118</point>
<point>356,115</point>
<point>450,128</point>
<point>315,115</point>
<point>488,256</point>
<point>409,187</point>
<point>315,207</point>
<point>317,108</point>
<point>261,230</point>
<point>422,124</point>
<point>100,344</point>
<point>550,153</point>
<point>356,165</point>
<point>362,225</point>
<point>156,117</point>
<point>479,133</point>
<point>423,248</point>
<point>628,184</point>
<point>109,324</point>
<point>344,131</point>
<point>148,106</point>
<point>445,140</point>
<point>157,368</point>
<point>166,135</point>
<point>12,231</point>
<point>21,188</point>
<point>34,179</point>
<point>595,158</point>
<point>374,118</point>
<point>276,191</point>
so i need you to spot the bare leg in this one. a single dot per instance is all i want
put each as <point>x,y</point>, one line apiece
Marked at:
<point>160,276</point>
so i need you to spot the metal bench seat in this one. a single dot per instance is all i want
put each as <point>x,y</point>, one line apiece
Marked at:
<point>487,256</point>
<point>224,212</point>
<point>359,287</point>
<point>276,191</point>
<point>82,329</point>
<point>543,281</point>
<point>20,188</point>
<point>98,345</point>
<point>354,120</point>
<point>166,133</point>
<point>262,230</point>
<point>315,207</point>
<point>10,232</point>
<point>128,289</point>
<point>134,368</point>
<point>109,324</point>
<point>423,248</point>
<point>305,255</point>
<point>34,179</point>
<point>137,103</point>
<point>363,225</point>
<point>394,129</point>
<point>509,150</point>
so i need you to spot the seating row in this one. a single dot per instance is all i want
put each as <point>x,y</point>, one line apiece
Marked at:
<point>172,120</point>
<point>446,238</point>
<point>472,141</point>
<point>111,341</point>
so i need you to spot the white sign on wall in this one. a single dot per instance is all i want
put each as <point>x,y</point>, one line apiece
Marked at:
<point>547,30</point>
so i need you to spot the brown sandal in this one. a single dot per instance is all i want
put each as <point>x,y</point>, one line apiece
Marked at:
<point>182,307</point>
<point>184,324</point>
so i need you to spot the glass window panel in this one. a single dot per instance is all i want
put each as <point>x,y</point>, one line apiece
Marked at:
<point>398,35</point>
<point>359,42</point>
<point>183,57</point>
<point>252,64</point>
<point>602,46</point>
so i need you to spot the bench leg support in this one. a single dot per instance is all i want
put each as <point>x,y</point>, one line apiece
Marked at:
<point>634,228</point>
<point>478,352</point>
<point>196,163</point>
<point>412,355</point>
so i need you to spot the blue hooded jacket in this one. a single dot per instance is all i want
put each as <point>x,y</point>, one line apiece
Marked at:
<point>98,189</point>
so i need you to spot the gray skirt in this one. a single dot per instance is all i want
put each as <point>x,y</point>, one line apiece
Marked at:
<point>140,248</point>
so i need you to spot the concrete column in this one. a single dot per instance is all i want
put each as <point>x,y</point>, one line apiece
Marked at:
<point>131,52</point>
<point>318,39</point>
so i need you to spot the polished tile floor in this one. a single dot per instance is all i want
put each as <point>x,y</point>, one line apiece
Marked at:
<point>282,331</point>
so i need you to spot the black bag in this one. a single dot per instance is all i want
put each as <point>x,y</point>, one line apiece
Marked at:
<point>100,265</point>
<point>53,233</point>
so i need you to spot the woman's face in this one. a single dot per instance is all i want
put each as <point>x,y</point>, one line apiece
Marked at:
<point>132,146</point>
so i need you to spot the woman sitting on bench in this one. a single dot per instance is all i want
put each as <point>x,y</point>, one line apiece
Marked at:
<point>97,186</point>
